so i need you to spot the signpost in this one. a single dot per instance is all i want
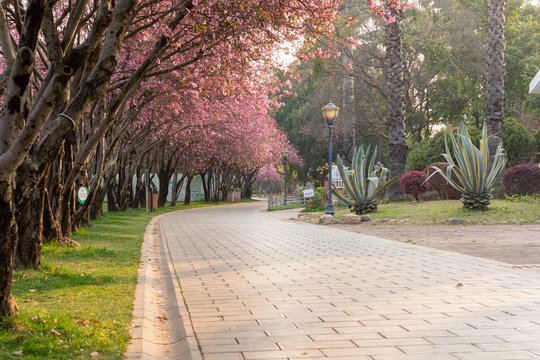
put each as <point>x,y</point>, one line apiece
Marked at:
<point>82,194</point>
<point>146,186</point>
<point>309,193</point>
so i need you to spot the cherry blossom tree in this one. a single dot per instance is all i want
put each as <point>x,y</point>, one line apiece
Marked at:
<point>73,83</point>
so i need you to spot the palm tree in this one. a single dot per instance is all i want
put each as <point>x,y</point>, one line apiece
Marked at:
<point>495,71</point>
<point>348,111</point>
<point>395,119</point>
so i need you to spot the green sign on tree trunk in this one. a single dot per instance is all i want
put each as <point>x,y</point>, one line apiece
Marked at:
<point>82,194</point>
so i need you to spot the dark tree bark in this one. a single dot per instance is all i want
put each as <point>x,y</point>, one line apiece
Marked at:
<point>495,72</point>
<point>96,210</point>
<point>51,230</point>
<point>348,113</point>
<point>206,184</point>
<point>177,187</point>
<point>164,178</point>
<point>395,122</point>
<point>12,150</point>
<point>8,246</point>
<point>187,197</point>
<point>112,201</point>
<point>31,231</point>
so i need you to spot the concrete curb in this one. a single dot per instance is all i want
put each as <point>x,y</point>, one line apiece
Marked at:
<point>157,329</point>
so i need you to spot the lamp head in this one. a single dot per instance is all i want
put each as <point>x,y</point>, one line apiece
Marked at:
<point>330,112</point>
<point>285,154</point>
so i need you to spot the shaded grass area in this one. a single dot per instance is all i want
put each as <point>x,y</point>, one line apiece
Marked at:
<point>80,300</point>
<point>291,205</point>
<point>435,212</point>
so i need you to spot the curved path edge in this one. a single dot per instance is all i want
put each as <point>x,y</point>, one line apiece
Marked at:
<point>157,328</point>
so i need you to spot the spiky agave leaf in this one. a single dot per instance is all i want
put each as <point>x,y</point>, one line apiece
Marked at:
<point>364,183</point>
<point>471,166</point>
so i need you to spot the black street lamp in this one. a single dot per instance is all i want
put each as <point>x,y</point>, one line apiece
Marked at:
<point>285,155</point>
<point>330,113</point>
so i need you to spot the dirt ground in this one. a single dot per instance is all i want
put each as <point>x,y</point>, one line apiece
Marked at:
<point>514,244</point>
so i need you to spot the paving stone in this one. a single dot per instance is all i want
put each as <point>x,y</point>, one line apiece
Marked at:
<point>257,286</point>
<point>498,355</point>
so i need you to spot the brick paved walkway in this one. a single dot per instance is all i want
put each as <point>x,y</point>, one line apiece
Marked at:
<point>258,287</point>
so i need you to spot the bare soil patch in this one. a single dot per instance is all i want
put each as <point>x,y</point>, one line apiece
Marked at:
<point>514,244</point>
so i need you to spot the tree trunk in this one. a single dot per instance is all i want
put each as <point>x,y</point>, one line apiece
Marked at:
<point>206,187</point>
<point>495,72</point>
<point>187,197</point>
<point>8,245</point>
<point>112,203</point>
<point>51,230</point>
<point>379,148</point>
<point>164,177</point>
<point>174,189</point>
<point>96,210</point>
<point>348,113</point>
<point>247,186</point>
<point>177,187</point>
<point>395,122</point>
<point>67,194</point>
<point>30,226</point>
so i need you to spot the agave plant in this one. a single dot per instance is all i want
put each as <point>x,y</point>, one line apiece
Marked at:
<point>471,167</point>
<point>363,182</point>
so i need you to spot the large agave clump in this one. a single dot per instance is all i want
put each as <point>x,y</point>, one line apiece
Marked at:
<point>472,169</point>
<point>363,182</point>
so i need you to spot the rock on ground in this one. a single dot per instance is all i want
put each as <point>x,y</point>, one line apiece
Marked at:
<point>326,219</point>
<point>350,219</point>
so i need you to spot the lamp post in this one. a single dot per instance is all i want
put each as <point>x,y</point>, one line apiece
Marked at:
<point>330,113</point>
<point>285,155</point>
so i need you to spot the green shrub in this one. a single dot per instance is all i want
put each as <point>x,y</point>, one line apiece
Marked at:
<point>314,208</point>
<point>321,191</point>
<point>429,150</point>
<point>518,143</point>
<point>527,198</point>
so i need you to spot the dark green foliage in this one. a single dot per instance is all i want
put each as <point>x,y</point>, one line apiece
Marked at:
<point>444,52</point>
<point>430,150</point>
<point>314,208</point>
<point>518,143</point>
<point>526,198</point>
<point>320,192</point>
<point>536,140</point>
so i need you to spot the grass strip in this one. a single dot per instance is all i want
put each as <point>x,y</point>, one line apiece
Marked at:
<point>78,304</point>
<point>435,212</point>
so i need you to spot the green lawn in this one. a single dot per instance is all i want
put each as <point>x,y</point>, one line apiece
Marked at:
<point>291,205</point>
<point>435,212</point>
<point>80,300</point>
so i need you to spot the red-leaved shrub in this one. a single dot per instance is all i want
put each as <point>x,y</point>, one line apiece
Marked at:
<point>413,183</point>
<point>438,183</point>
<point>522,179</point>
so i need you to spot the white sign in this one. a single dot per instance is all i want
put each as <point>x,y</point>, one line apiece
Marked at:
<point>309,193</point>
<point>82,194</point>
